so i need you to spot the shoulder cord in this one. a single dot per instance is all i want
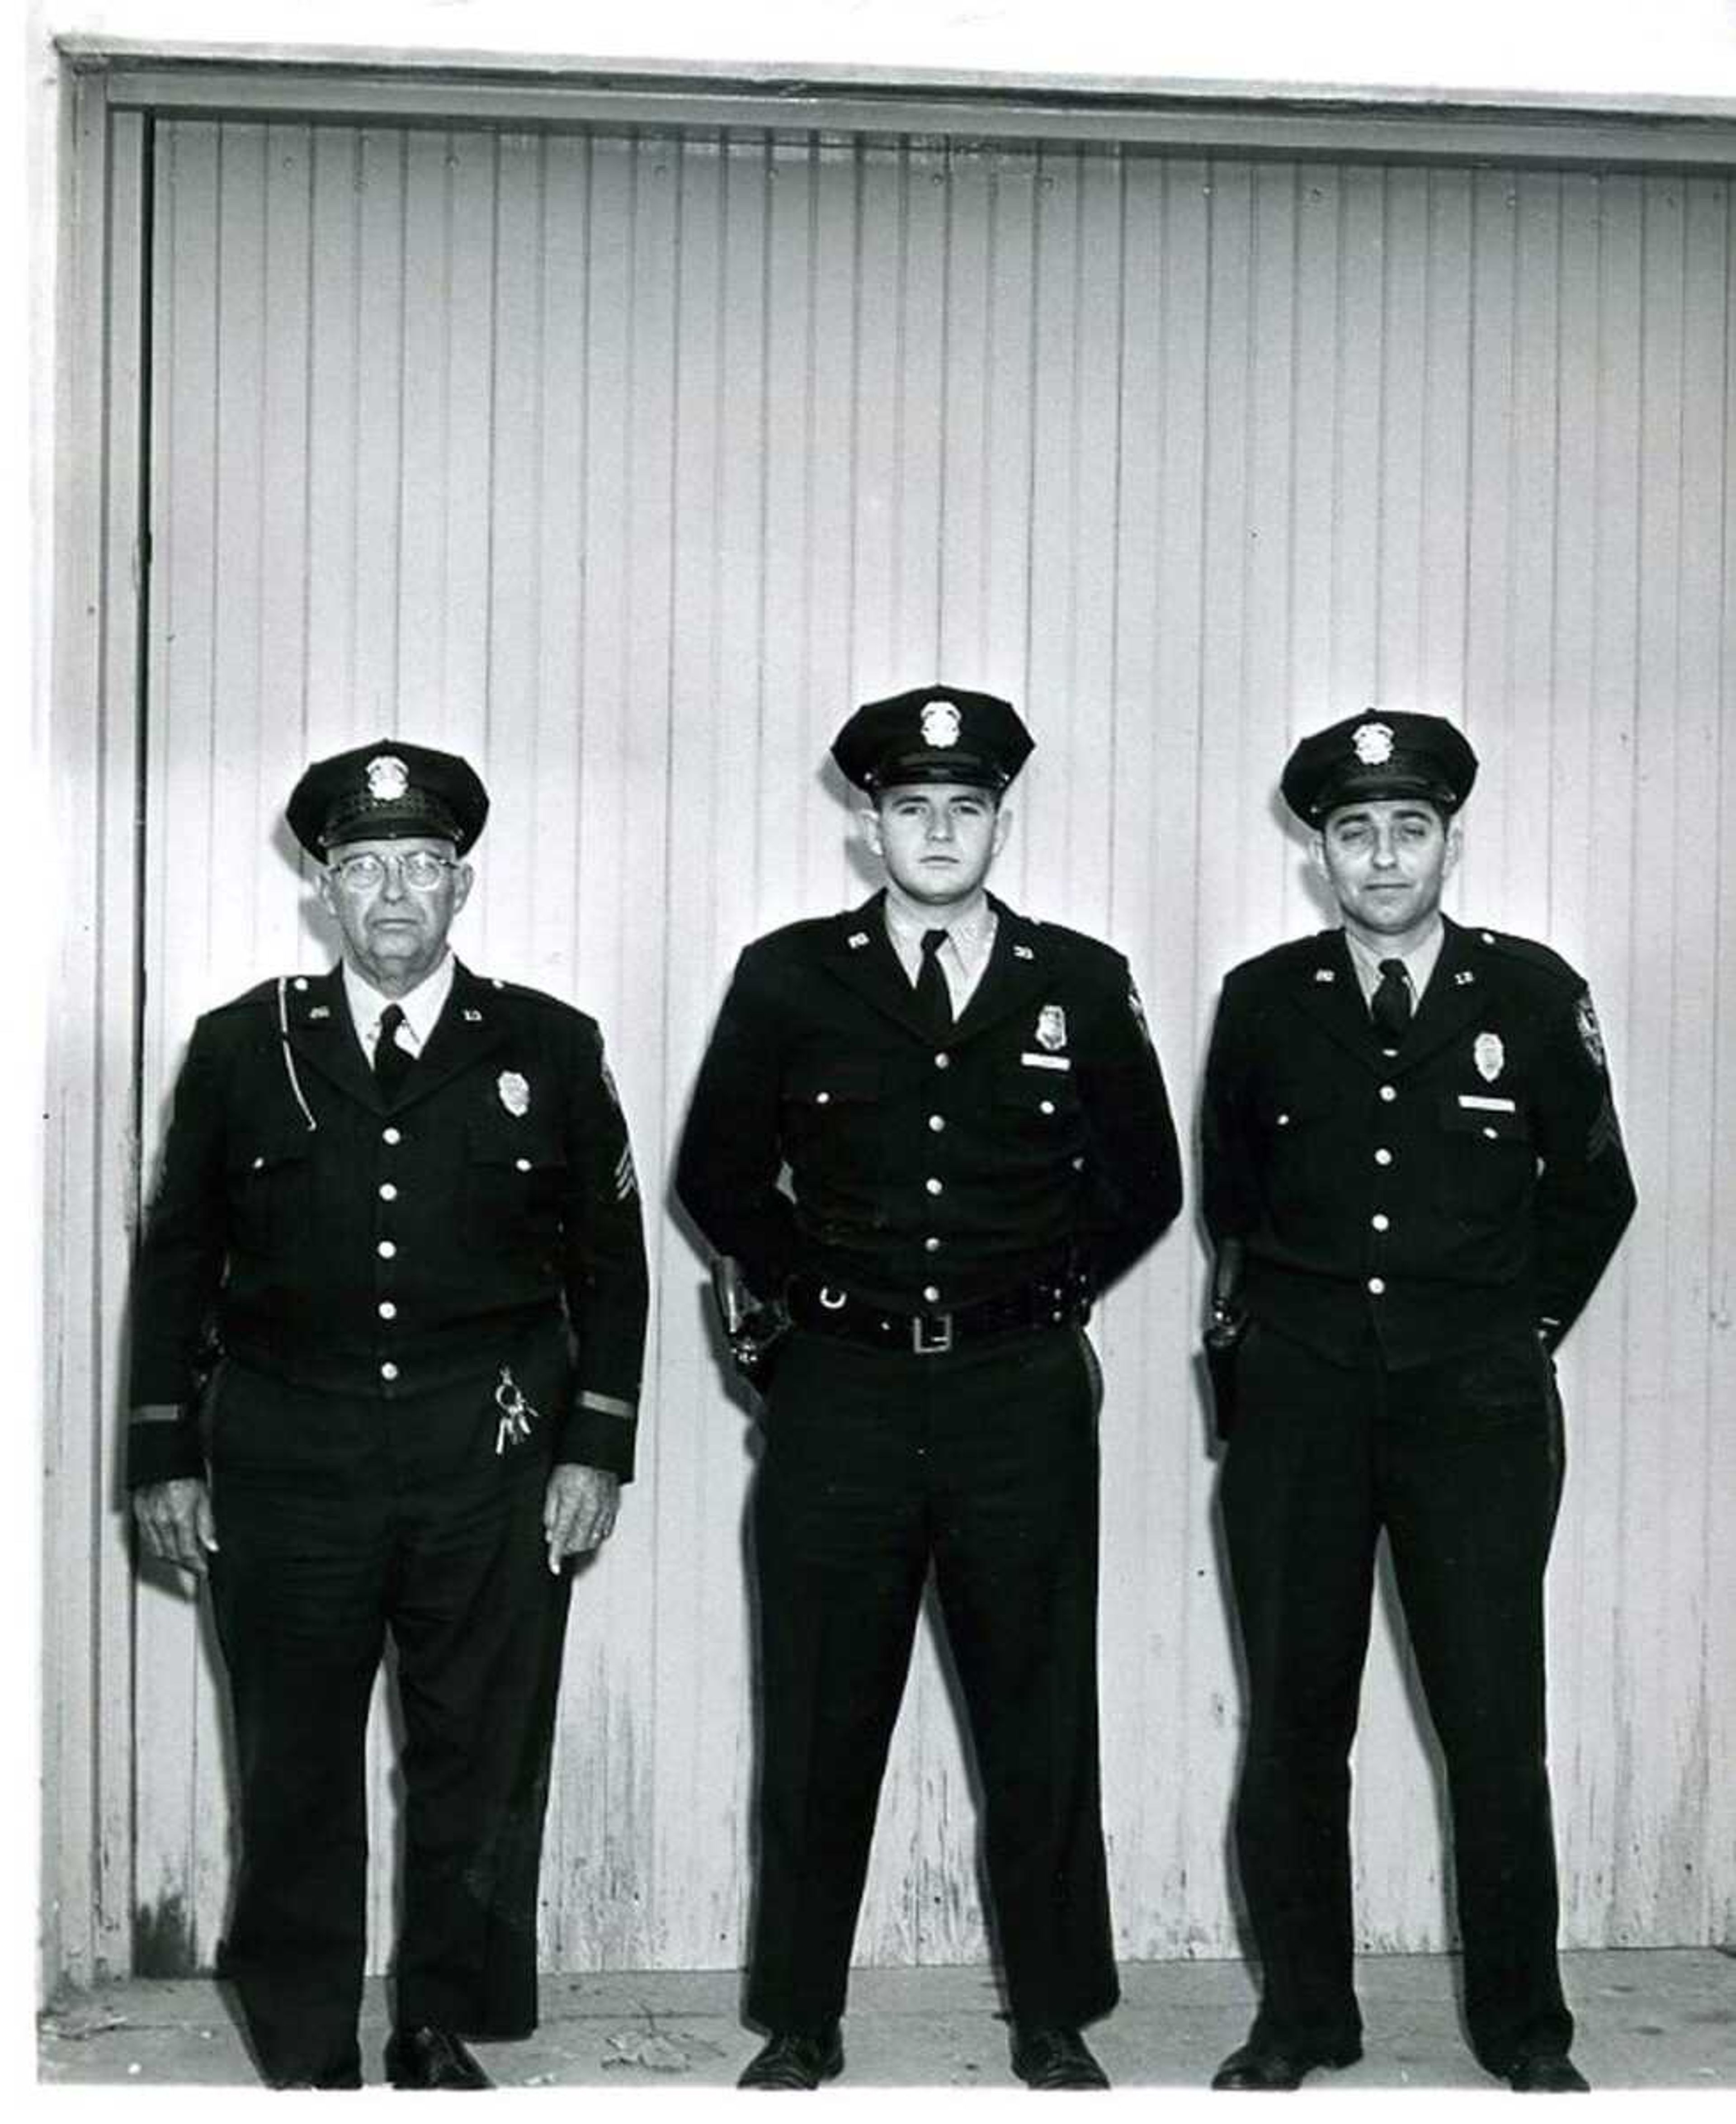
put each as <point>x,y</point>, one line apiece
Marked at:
<point>283,1034</point>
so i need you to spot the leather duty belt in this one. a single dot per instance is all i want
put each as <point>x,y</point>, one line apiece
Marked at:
<point>823,1310</point>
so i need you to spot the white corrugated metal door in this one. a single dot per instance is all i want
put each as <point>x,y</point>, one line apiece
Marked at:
<point>625,464</point>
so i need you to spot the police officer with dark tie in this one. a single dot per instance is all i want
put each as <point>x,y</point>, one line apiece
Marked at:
<point>398,1206</point>
<point>1415,1178</point>
<point>932,1129</point>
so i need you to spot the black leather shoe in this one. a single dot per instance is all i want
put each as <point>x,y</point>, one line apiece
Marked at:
<point>1262,2067</point>
<point>789,2062</point>
<point>1045,2058</point>
<point>432,2057</point>
<point>331,2076</point>
<point>1546,2072</point>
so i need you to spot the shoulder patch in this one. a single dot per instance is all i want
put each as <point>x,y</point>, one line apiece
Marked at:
<point>1591,1033</point>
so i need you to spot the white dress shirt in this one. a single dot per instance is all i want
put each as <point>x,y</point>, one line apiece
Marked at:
<point>970,940</point>
<point>1418,963</point>
<point>421,1008</point>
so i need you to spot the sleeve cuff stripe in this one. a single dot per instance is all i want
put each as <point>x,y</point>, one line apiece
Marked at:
<point>608,1405</point>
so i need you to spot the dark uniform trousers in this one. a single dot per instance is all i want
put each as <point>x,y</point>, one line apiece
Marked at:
<point>1459,1462</point>
<point>342,1520</point>
<point>985,1460</point>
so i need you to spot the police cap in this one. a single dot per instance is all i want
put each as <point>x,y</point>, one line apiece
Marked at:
<point>933,734</point>
<point>1382,753</point>
<point>388,790</point>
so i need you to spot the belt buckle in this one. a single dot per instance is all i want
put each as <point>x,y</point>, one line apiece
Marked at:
<point>919,1339</point>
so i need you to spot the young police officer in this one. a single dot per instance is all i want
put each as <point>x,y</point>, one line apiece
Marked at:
<point>974,1129</point>
<point>1412,1164</point>
<point>405,1196</point>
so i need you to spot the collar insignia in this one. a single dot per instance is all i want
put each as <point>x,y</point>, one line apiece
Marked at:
<point>319,1010</point>
<point>1023,952</point>
<point>1325,974</point>
<point>1463,978</point>
<point>857,939</point>
<point>473,1017</point>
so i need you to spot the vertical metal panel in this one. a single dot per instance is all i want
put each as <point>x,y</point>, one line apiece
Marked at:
<point>626,464</point>
<point>90,1145</point>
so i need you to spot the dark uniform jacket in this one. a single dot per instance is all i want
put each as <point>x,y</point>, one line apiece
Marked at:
<point>363,1247</point>
<point>1474,1184</point>
<point>925,1173</point>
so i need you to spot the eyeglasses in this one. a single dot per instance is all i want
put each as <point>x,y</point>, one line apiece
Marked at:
<point>421,869</point>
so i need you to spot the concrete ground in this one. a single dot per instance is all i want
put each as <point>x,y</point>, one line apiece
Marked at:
<point>1655,2018</point>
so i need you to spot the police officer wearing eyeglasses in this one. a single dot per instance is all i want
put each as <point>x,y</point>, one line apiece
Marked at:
<point>1415,1178</point>
<point>398,1208</point>
<point>932,1129</point>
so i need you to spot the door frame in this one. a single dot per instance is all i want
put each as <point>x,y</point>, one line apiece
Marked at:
<point>99,707</point>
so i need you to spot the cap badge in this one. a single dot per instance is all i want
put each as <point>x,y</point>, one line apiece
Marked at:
<point>1372,744</point>
<point>1052,1028</point>
<point>1490,1056</point>
<point>514,1093</point>
<point>941,725</point>
<point>387,777</point>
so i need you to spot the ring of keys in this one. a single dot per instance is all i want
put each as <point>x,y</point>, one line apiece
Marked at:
<point>517,1416</point>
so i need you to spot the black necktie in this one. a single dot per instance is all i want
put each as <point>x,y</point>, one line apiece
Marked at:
<point>1389,1005</point>
<point>934,998</point>
<point>390,1062</point>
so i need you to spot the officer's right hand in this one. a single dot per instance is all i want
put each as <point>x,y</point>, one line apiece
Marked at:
<point>175,1520</point>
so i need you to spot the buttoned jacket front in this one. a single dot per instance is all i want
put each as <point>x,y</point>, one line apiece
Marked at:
<point>1424,1200</point>
<point>920,1170</point>
<point>362,1246</point>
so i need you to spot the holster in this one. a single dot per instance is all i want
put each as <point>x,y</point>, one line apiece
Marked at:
<point>1224,1333</point>
<point>754,1327</point>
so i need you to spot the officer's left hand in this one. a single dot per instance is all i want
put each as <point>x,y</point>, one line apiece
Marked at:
<point>579,1511</point>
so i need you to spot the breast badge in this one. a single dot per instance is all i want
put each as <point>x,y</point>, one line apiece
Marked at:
<point>1051,1033</point>
<point>514,1093</point>
<point>1489,1057</point>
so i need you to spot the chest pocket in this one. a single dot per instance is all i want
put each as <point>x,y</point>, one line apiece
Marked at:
<point>270,1181</point>
<point>1039,1106</point>
<point>515,1180</point>
<point>833,1120</point>
<point>1489,1161</point>
<point>1297,1122</point>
